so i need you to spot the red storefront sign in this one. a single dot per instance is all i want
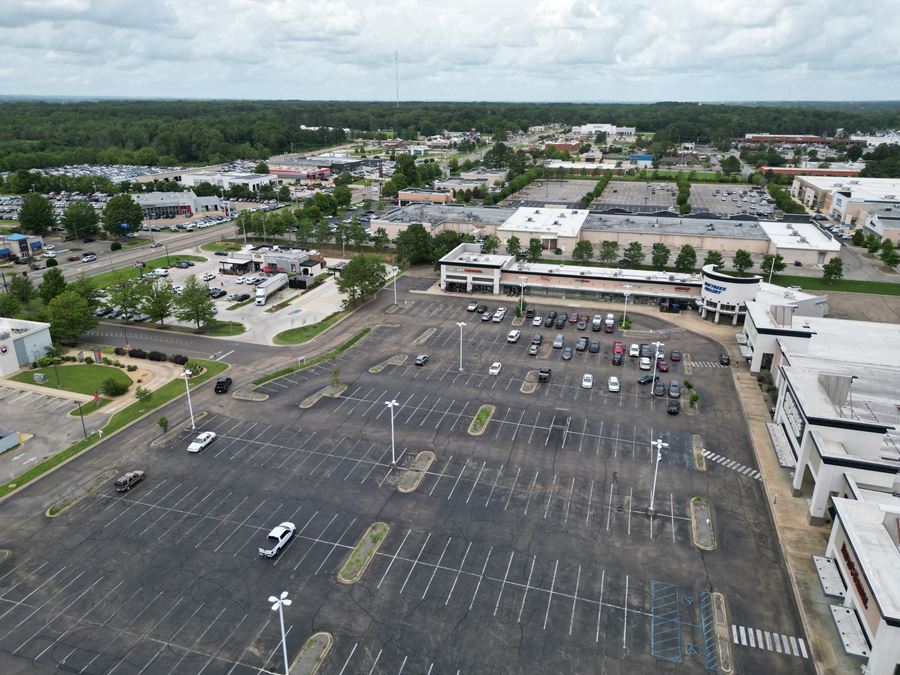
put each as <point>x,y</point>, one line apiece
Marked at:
<point>683,289</point>
<point>854,573</point>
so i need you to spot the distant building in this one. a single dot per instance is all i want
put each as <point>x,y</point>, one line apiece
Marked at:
<point>562,146</point>
<point>21,343</point>
<point>159,205</point>
<point>785,139</point>
<point>226,181</point>
<point>883,222</point>
<point>491,177</point>
<point>890,138</point>
<point>412,195</point>
<point>20,246</point>
<point>836,170</point>
<point>611,131</point>
<point>457,184</point>
<point>846,199</point>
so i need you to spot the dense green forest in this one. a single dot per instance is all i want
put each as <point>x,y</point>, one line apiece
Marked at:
<point>43,134</point>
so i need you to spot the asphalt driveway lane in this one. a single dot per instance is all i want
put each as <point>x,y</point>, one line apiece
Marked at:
<point>527,549</point>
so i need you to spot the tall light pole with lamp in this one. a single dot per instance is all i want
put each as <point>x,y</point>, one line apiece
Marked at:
<point>392,404</point>
<point>656,346</point>
<point>187,388</point>
<point>461,324</point>
<point>277,605</point>
<point>626,293</point>
<point>522,281</point>
<point>659,445</point>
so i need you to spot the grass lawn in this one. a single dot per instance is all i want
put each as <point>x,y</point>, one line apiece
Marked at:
<point>222,245</point>
<point>840,286</point>
<point>82,378</point>
<point>223,328</point>
<point>105,279</point>
<point>161,396</point>
<point>90,407</point>
<point>296,336</point>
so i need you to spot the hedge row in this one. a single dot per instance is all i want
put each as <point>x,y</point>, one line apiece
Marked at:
<point>179,359</point>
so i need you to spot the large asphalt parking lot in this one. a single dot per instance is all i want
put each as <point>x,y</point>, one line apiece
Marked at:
<point>527,549</point>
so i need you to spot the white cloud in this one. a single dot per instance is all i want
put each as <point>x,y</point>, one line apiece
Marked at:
<point>453,49</point>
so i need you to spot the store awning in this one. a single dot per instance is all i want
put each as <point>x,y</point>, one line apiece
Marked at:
<point>4,251</point>
<point>35,244</point>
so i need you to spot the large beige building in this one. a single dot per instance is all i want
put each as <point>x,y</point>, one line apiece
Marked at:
<point>560,228</point>
<point>846,199</point>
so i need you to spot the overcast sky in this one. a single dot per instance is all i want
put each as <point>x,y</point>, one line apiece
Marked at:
<point>516,50</point>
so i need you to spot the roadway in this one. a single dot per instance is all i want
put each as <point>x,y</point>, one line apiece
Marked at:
<point>127,257</point>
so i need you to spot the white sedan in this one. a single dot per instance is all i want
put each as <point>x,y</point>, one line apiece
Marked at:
<point>202,441</point>
<point>537,321</point>
<point>209,276</point>
<point>613,384</point>
<point>587,381</point>
<point>495,368</point>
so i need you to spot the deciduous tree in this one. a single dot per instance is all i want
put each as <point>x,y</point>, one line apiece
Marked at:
<point>583,251</point>
<point>833,270</point>
<point>659,255</point>
<point>122,215</point>
<point>70,317</point>
<point>36,214</point>
<point>53,284</point>
<point>80,219</point>
<point>194,303</point>
<point>634,254</point>
<point>741,261</point>
<point>361,278</point>
<point>686,260</point>
<point>158,301</point>
<point>535,249</point>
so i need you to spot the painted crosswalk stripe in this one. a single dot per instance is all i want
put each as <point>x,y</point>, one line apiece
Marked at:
<point>802,648</point>
<point>759,638</point>
<point>734,633</point>
<point>750,637</point>
<point>777,641</point>
<point>768,641</point>
<point>743,635</point>
<point>794,646</point>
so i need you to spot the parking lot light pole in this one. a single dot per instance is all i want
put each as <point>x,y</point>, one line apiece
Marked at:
<point>461,324</point>
<point>392,404</point>
<point>81,414</point>
<point>625,312</point>
<point>396,270</point>
<point>659,445</point>
<point>656,346</point>
<point>187,388</point>
<point>277,605</point>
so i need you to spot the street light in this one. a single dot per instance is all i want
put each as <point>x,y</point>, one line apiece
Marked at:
<point>461,324</point>
<point>396,270</point>
<point>81,414</point>
<point>278,604</point>
<point>187,388</point>
<point>168,262</point>
<point>656,346</point>
<point>659,445</point>
<point>392,404</point>
<point>626,293</point>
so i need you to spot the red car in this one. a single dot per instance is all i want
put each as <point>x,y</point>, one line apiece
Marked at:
<point>662,366</point>
<point>573,318</point>
<point>73,258</point>
<point>675,355</point>
<point>618,347</point>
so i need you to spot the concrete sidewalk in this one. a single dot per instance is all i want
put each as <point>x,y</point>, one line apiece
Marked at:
<point>798,540</point>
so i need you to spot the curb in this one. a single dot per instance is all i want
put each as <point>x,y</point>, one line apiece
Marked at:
<point>92,446</point>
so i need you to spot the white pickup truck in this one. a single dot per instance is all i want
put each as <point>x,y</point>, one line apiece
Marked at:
<point>277,540</point>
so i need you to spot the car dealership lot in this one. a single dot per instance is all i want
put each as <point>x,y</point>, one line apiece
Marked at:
<point>525,549</point>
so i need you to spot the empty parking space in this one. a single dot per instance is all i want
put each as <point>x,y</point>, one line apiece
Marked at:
<point>529,548</point>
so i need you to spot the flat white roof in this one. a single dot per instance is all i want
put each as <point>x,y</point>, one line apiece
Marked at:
<point>804,236</point>
<point>876,189</point>
<point>622,275</point>
<point>875,548</point>
<point>471,253</point>
<point>550,221</point>
<point>769,294</point>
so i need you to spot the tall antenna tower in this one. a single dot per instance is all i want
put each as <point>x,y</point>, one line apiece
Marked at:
<point>397,77</point>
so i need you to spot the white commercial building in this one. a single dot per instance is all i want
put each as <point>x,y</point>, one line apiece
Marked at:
<point>611,130</point>
<point>890,138</point>
<point>883,222</point>
<point>21,343</point>
<point>226,181</point>
<point>805,243</point>
<point>555,227</point>
<point>157,205</point>
<point>844,199</point>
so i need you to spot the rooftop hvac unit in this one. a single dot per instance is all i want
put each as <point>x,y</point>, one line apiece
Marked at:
<point>890,196</point>
<point>4,335</point>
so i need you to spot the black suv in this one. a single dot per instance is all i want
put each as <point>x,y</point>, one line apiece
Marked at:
<point>561,320</point>
<point>537,339</point>
<point>529,313</point>
<point>222,385</point>
<point>550,320</point>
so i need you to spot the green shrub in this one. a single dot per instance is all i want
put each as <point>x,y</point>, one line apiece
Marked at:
<point>112,387</point>
<point>115,246</point>
<point>88,360</point>
<point>131,368</point>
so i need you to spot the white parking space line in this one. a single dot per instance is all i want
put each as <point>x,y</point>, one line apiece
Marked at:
<point>334,547</point>
<point>475,482</point>
<point>436,567</point>
<point>574,600</point>
<point>411,569</point>
<point>494,486</point>
<point>238,526</point>
<point>458,572</point>
<point>347,662</point>
<point>393,559</point>
<point>527,587</point>
<point>550,497</point>
<point>512,488</point>
<point>503,585</point>
<point>154,522</point>
<point>531,491</point>
<point>550,595</point>
<point>57,615</point>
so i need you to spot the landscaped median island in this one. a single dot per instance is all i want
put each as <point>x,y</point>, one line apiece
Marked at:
<point>82,378</point>
<point>361,555</point>
<point>414,473</point>
<point>396,360</point>
<point>296,336</point>
<point>332,390</point>
<point>530,383</point>
<point>701,524</point>
<point>157,398</point>
<point>481,419</point>
<point>313,653</point>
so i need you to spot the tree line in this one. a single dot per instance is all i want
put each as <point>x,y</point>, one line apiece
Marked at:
<point>42,134</point>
